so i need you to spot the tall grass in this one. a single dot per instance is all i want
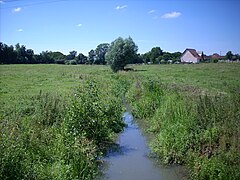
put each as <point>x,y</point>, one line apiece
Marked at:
<point>199,131</point>
<point>49,136</point>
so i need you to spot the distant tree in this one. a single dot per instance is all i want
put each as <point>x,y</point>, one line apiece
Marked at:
<point>100,52</point>
<point>7,54</point>
<point>81,59</point>
<point>57,55</point>
<point>146,57</point>
<point>29,56</point>
<point>120,53</point>
<point>155,53</point>
<point>167,56</point>
<point>91,57</point>
<point>137,59</point>
<point>237,56</point>
<point>45,57</point>
<point>21,54</point>
<point>176,56</point>
<point>71,55</point>
<point>229,55</point>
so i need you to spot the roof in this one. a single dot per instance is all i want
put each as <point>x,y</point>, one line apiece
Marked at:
<point>193,52</point>
<point>217,56</point>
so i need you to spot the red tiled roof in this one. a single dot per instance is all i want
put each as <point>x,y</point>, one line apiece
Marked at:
<point>193,52</point>
<point>217,56</point>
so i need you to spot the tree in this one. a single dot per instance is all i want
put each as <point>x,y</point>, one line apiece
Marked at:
<point>100,52</point>
<point>91,56</point>
<point>71,55</point>
<point>155,53</point>
<point>57,55</point>
<point>81,59</point>
<point>166,56</point>
<point>21,54</point>
<point>120,53</point>
<point>45,57</point>
<point>7,54</point>
<point>176,56</point>
<point>229,55</point>
<point>29,56</point>
<point>146,57</point>
<point>138,59</point>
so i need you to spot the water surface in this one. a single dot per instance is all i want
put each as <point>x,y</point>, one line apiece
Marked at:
<point>130,161</point>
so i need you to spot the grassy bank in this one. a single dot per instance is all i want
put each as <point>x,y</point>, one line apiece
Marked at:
<point>192,122</point>
<point>56,121</point>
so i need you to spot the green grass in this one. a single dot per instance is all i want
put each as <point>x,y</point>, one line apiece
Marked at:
<point>191,111</point>
<point>18,80</point>
<point>219,77</point>
<point>56,120</point>
<point>193,121</point>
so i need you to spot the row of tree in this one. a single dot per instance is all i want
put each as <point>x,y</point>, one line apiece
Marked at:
<point>21,55</point>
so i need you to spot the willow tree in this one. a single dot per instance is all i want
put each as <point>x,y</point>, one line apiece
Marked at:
<point>120,53</point>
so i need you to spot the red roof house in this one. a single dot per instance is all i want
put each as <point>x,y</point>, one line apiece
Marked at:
<point>191,56</point>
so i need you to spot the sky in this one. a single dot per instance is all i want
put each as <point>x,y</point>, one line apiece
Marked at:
<point>211,26</point>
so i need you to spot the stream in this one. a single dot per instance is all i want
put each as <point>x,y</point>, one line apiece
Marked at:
<point>130,159</point>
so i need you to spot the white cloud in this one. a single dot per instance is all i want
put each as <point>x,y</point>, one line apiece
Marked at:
<point>79,25</point>
<point>2,2</point>
<point>152,11</point>
<point>17,9</point>
<point>20,30</point>
<point>171,15</point>
<point>121,7</point>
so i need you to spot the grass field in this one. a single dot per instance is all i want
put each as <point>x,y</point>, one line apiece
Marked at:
<point>18,80</point>
<point>44,106</point>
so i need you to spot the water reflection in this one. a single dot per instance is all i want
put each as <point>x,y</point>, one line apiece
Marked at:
<point>129,160</point>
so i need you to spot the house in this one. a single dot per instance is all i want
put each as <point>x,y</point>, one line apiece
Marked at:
<point>217,56</point>
<point>191,56</point>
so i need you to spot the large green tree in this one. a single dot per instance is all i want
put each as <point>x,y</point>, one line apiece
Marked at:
<point>81,59</point>
<point>71,55</point>
<point>121,52</point>
<point>155,53</point>
<point>91,57</point>
<point>100,52</point>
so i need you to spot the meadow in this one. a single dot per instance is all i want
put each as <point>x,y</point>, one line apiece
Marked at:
<point>57,120</point>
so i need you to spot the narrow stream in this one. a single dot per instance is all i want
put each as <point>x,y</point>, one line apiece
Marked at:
<point>130,161</point>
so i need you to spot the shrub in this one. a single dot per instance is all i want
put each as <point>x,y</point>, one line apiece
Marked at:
<point>73,62</point>
<point>94,114</point>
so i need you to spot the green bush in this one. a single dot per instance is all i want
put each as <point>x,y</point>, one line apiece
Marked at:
<point>73,62</point>
<point>94,114</point>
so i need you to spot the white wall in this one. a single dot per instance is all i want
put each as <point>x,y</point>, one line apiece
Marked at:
<point>188,57</point>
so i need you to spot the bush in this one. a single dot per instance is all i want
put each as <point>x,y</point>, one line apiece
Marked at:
<point>93,114</point>
<point>73,62</point>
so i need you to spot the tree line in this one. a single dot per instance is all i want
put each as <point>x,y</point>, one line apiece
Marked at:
<point>19,54</point>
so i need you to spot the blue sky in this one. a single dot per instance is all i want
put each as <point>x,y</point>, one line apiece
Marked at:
<point>211,26</point>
